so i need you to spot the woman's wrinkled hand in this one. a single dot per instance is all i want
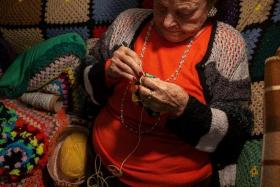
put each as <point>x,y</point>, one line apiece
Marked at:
<point>161,96</point>
<point>125,63</point>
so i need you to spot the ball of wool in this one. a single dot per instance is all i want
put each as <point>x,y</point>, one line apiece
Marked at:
<point>72,157</point>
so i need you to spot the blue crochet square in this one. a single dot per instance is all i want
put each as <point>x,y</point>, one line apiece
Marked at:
<point>107,11</point>
<point>83,31</point>
<point>251,37</point>
<point>276,12</point>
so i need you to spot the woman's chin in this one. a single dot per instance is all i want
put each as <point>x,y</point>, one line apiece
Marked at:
<point>174,37</point>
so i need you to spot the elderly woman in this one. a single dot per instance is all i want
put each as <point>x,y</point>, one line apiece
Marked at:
<point>174,85</point>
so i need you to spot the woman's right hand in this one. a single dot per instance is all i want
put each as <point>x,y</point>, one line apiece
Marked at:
<point>124,63</point>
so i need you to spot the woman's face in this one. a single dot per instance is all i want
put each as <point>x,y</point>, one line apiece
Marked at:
<point>178,20</point>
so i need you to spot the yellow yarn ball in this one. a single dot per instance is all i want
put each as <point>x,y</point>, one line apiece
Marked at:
<point>72,157</point>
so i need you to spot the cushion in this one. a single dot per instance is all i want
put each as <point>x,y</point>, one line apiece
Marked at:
<point>16,79</point>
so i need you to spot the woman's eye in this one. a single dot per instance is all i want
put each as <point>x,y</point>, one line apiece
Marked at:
<point>184,14</point>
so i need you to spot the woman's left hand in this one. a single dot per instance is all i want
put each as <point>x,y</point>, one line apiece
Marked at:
<point>161,96</point>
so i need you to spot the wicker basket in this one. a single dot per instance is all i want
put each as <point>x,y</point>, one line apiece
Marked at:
<point>52,165</point>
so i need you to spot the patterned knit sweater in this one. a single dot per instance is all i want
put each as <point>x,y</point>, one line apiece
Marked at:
<point>220,127</point>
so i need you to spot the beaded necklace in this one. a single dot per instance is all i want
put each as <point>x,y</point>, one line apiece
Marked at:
<point>172,77</point>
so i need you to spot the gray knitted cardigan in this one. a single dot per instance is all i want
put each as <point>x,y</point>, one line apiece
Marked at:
<point>220,127</point>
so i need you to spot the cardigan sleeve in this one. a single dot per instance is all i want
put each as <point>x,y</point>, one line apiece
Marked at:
<point>221,129</point>
<point>94,70</point>
<point>222,126</point>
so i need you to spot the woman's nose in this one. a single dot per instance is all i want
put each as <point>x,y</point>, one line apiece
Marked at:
<point>169,21</point>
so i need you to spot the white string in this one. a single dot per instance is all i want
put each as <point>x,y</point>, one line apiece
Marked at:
<point>98,178</point>
<point>138,142</point>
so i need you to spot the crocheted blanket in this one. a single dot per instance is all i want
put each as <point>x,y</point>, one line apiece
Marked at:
<point>27,137</point>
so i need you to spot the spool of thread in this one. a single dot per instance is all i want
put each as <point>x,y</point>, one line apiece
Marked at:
<point>271,143</point>
<point>48,102</point>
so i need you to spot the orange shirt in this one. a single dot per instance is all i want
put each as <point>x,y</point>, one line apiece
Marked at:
<point>161,159</point>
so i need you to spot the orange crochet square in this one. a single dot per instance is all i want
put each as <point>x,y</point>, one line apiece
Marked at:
<point>67,11</point>
<point>20,12</point>
<point>27,37</point>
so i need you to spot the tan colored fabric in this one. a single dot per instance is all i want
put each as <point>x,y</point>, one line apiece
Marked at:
<point>253,11</point>
<point>67,11</point>
<point>27,38</point>
<point>20,12</point>
<point>256,106</point>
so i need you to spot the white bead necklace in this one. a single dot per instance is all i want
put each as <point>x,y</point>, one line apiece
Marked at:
<point>172,77</point>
